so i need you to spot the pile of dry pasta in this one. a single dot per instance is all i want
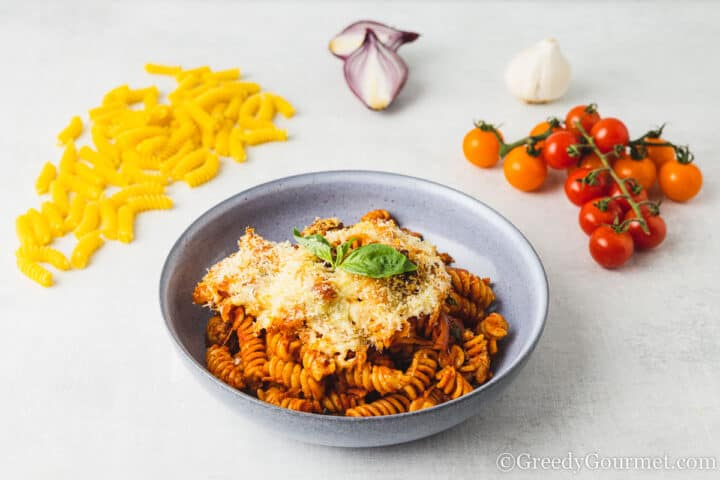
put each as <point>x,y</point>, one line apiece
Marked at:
<point>138,147</point>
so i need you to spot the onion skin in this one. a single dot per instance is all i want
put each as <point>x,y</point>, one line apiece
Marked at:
<point>375,73</point>
<point>351,38</point>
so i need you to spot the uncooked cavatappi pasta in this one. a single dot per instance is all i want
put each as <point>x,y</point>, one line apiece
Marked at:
<point>138,146</point>
<point>360,320</point>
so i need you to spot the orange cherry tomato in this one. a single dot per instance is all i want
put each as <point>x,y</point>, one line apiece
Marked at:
<point>541,128</point>
<point>642,170</point>
<point>481,148</point>
<point>591,161</point>
<point>523,171</point>
<point>659,155</point>
<point>680,181</point>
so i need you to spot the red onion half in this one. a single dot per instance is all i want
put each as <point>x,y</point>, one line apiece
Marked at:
<point>346,42</point>
<point>375,73</point>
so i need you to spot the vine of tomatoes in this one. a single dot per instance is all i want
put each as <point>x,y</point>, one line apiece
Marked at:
<point>608,175</point>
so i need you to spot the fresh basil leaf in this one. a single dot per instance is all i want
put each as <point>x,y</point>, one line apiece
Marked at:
<point>342,250</point>
<point>377,261</point>
<point>315,244</point>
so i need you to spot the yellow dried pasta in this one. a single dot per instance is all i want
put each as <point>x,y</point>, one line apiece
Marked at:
<point>40,226</point>
<point>189,162</point>
<point>59,196</point>
<point>90,220</point>
<point>203,174</point>
<point>75,214</point>
<point>40,254</point>
<point>263,135</point>
<point>157,69</point>
<point>24,230</point>
<point>35,272</point>
<point>126,219</point>
<point>138,144</point>
<point>47,175</point>
<point>86,246</point>
<point>72,131</point>
<point>108,219</point>
<point>135,191</point>
<point>143,203</point>
<point>54,218</point>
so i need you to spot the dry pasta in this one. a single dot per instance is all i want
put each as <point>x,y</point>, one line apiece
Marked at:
<point>90,220</point>
<point>433,357</point>
<point>40,254</point>
<point>108,219</point>
<point>86,246</point>
<point>40,227</point>
<point>35,272</point>
<point>47,175</point>
<point>204,173</point>
<point>72,131</point>
<point>54,217</point>
<point>138,144</point>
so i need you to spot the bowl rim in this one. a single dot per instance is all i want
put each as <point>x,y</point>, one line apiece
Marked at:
<point>515,364</point>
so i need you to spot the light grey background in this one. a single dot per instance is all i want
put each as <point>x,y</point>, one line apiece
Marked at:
<point>629,361</point>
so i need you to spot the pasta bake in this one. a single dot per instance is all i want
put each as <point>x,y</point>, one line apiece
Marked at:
<point>361,320</point>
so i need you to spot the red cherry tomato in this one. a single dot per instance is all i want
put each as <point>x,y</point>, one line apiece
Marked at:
<point>656,226</point>
<point>592,216</point>
<point>609,132</point>
<point>555,150</point>
<point>609,248</point>
<point>637,192</point>
<point>587,115</point>
<point>579,192</point>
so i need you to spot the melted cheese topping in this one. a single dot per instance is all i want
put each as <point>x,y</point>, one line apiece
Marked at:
<point>285,286</point>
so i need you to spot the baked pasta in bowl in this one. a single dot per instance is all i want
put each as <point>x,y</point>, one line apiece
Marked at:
<point>357,334</point>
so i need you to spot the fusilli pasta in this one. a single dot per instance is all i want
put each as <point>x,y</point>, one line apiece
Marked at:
<point>431,360</point>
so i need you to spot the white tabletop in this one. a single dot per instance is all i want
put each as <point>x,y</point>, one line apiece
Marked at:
<point>628,364</point>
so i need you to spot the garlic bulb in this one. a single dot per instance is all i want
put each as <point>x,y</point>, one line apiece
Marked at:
<point>539,74</point>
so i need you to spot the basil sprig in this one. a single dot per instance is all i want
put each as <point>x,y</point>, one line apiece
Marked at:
<point>375,260</point>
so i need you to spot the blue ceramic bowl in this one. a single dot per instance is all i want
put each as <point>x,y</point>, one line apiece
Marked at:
<point>477,237</point>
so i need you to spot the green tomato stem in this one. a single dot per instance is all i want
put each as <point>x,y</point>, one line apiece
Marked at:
<point>620,182</point>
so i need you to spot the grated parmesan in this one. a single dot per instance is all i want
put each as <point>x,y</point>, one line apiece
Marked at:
<point>286,287</point>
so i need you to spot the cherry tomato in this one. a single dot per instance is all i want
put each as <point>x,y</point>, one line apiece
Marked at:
<point>591,216</point>
<point>541,128</point>
<point>659,155</point>
<point>609,248</point>
<point>637,192</point>
<point>609,132</point>
<point>655,224</point>
<point>579,192</point>
<point>523,171</point>
<point>591,161</point>
<point>680,181</point>
<point>481,148</point>
<point>642,170</point>
<point>587,115</point>
<point>555,151</point>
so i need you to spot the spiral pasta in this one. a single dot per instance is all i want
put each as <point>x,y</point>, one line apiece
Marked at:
<point>388,405</point>
<point>40,254</point>
<point>90,220</point>
<point>47,175</point>
<point>221,364</point>
<point>204,173</point>
<point>431,360</point>
<point>71,132</point>
<point>139,143</point>
<point>86,246</point>
<point>35,272</point>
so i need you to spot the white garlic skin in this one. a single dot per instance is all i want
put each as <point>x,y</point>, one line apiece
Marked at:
<point>539,74</point>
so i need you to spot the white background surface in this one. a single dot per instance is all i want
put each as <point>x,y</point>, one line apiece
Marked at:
<point>628,365</point>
